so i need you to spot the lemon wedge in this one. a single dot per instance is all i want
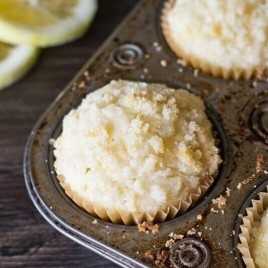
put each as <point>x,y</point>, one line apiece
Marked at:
<point>44,22</point>
<point>15,61</point>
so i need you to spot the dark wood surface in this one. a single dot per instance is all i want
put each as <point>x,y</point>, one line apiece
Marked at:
<point>26,240</point>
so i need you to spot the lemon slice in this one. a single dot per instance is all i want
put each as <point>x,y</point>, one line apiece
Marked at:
<point>15,61</point>
<point>44,22</point>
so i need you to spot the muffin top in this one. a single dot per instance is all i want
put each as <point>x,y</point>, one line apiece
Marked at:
<point>230,34</point>
<point>260,241</point>
<point>136,147</point>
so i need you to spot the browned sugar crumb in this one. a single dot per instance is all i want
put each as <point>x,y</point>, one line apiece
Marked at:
<point>160,258</point>
<point>220,201</point>
<point>163,63</point>
<point>196,72</point>
<point>191,232</point>
<point>149,254</point>
<point>170,243</point>
<point>142,227</point>
<point>260,163</point>
<point>155,229</point>
<point>254,83</point>
<point>146,227</point>
<point>199,217</point>
<point>245,182</point>
<point>176,236</point>
<point>182,62</point>
<point>228,192</point>
<point>214,210</point>
<point>157,46</point>
<point>107,70</point>
<point>145,70</point>
<point>82,84</point>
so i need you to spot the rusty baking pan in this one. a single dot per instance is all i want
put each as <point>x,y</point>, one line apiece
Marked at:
<point>238,111</point>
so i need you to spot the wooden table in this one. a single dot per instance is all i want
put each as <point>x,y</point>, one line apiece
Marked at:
<point>26,240</point>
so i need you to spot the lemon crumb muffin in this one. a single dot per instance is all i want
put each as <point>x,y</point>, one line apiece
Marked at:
<point>254,233</point>
<point>224,38</point>
<point>134,151</point>
<point>260,241</point>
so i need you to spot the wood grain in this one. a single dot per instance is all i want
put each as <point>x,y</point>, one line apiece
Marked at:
<point>26,240</point>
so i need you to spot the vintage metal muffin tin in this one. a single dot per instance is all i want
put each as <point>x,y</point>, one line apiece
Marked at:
<point>238,111</point>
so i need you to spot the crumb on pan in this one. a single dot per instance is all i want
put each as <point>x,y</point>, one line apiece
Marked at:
<point>245,182</point>
<point>220,201</point>
<point>214,210</point>
<point>182,62</point>
<point>148,226</point>
<point>254,83</point>
<point>82,85</point>
<point>192,231</point>
<point>176,236</point>
<point>163,63</point>
<point>170,243</point>
<point>160,257</point>
<point>228,191</point>
<point>260,163</point>
<point>199,217</point>
<point>145,70</point>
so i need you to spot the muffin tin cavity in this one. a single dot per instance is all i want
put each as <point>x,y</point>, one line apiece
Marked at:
<point>222,143</point>
<point>246,203</point>
<point>259,120</point>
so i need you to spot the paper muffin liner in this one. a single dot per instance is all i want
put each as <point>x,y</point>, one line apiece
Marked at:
<point>205,66</point>
<point>127,218</point>
<point>254,214</point>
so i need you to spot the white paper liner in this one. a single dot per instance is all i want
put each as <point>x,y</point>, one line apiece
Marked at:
<point>123,217</point>
<point>254,213</point>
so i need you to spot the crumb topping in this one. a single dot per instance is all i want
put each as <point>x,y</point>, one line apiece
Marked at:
<point>136,147</point>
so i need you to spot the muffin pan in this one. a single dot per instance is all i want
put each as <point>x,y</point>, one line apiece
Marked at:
<point>238,111</point>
